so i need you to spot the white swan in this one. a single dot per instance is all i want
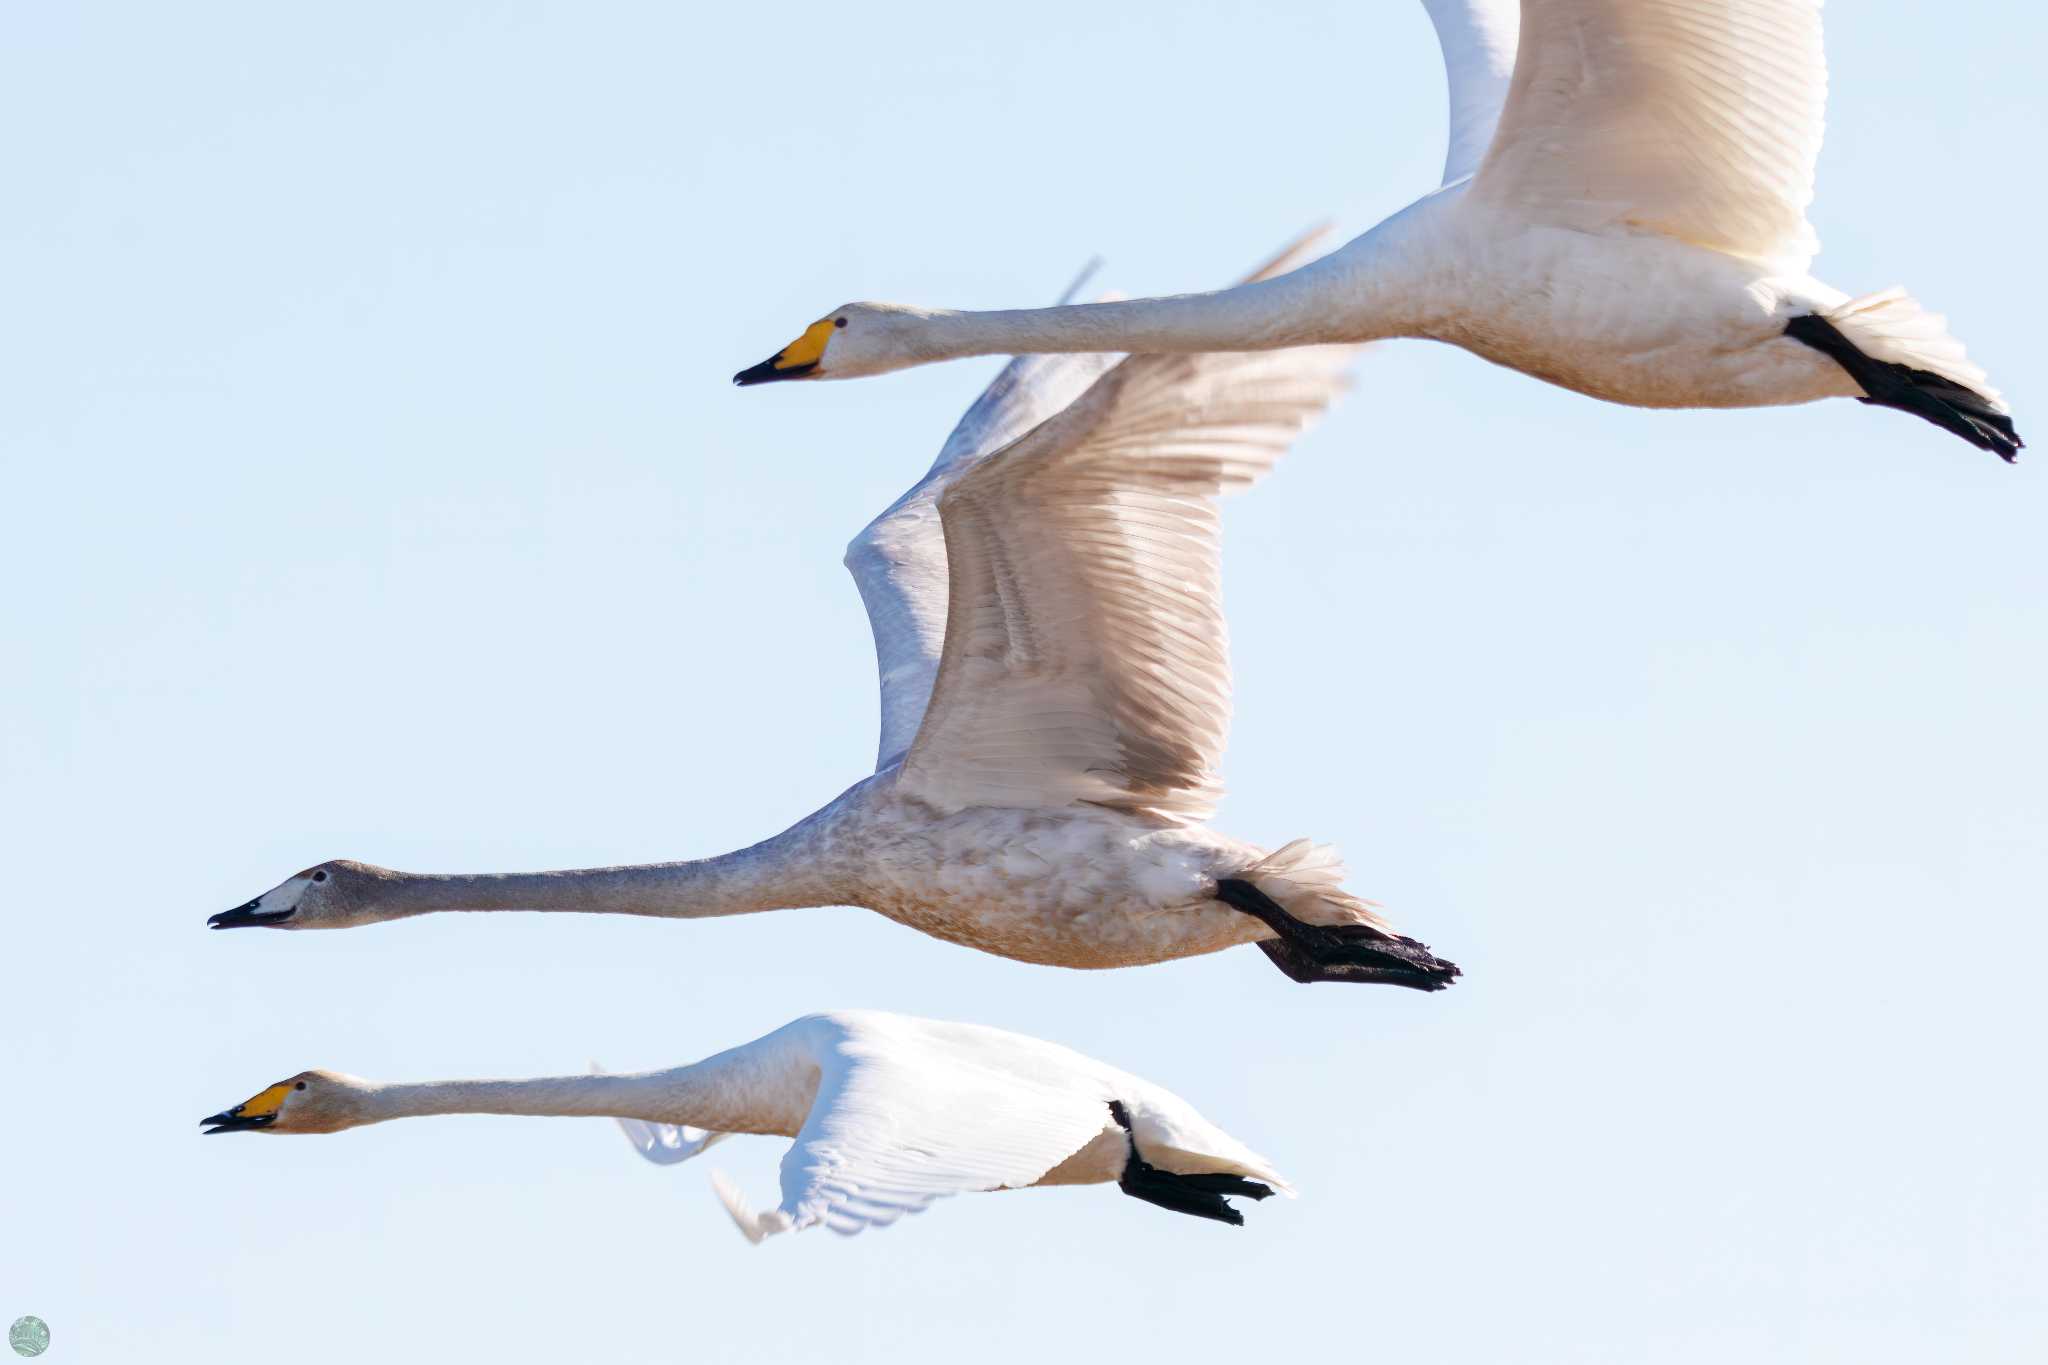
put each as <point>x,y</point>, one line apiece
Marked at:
<point>1055,689</point>
<point>1625,216</point>
<point>889,1114</point>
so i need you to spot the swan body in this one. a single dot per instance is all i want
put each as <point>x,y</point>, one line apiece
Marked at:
<point>889,1114</point>
<point>1623,214</point>
<point>1088,887</point>
<point>1046,607</point>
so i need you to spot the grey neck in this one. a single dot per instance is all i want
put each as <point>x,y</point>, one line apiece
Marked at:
<point>780,873</point>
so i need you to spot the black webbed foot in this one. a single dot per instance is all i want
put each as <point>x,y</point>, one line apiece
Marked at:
<point>1337,952</point>
<point>1935,398</point>
<point>1199,1195</point>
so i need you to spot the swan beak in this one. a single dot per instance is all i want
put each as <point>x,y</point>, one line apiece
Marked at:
<point>770,370</point>
<point>259,1111</point>
<point>794,361</point>
<point>242,916</point>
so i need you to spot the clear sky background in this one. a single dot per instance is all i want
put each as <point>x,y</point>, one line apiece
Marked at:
<point>374,488</point>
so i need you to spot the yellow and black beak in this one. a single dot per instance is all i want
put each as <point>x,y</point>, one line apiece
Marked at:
<point>794,361</point>
<point>259,1111</point>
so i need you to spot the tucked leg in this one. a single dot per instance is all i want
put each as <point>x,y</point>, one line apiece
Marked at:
<point>1337,952</point>
<point>1199,1195</point>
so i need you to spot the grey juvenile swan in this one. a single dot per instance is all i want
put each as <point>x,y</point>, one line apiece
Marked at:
<point>1048,623</point>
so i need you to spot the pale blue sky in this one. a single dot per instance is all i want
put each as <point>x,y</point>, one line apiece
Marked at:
<point>375,488</point>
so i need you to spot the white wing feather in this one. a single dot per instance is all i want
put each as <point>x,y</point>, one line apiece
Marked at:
<point>910,1111</point>
<point>1478,39</point>
<point>898,561</point>
<point>1085,655</point>
<point>1697,119</point>
<point>665,1144</point>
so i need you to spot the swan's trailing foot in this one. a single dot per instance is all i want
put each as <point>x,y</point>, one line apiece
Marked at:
<point>1199,1195</point>
<point>1337,952</point>
<point>1980,420</point>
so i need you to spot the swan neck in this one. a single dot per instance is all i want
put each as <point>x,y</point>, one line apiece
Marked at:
<point>763,1087</point>
<point>551,1096</point>
<point>1251,317</point>
<point>778,874</point>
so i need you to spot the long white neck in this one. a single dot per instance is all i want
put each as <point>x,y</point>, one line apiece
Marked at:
<point>1343,297</point>
<point>785,872</point>
<point>764,1087</point>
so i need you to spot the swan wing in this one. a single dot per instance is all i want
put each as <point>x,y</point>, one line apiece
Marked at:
<point>909,1111</point>
<point>666,1144</point>
<point>1085,657</point>
<point>898,561</point>
<point>1697,119</point>
<point>1478,41</point>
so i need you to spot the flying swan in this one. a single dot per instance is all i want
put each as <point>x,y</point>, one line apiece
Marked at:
<point>889,1114</point>
<point>1623,213</point>
<point>1055,686</point>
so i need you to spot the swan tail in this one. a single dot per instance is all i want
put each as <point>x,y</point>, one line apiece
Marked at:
<point>1903,357</point>
<point>1322,932</point>
<point>755,1227</point>
<point>1307,880</point>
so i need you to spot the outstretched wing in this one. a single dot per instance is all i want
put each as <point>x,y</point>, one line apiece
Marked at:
<point>1478,41</point>
<point>898,561</point>
<point>1085,657</point>
<point>1697,119</point>
<point>909,1111</point>
<point>665,1144</point>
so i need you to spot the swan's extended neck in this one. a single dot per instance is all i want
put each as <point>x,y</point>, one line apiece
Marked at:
<point>755,1089</point>
<point>781,873</point>
<point>1317,303</point>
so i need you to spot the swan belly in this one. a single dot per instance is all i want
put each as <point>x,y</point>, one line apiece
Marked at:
<point>1643,320</point>
<point>1099,1162</point>
<point>1086,887</point>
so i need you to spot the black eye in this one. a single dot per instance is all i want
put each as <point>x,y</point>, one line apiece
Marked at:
<point>300,1086</point>
<point>318,877</point>
<point>839,322</point>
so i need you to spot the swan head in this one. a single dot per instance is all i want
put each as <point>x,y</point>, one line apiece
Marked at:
<point>310,1102</point>
<point>332,895</point>
<point>851,341</point>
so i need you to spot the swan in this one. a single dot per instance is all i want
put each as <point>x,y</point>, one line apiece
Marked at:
<point>889,1114</point>
<point>1055,690</point>
<point>1623,213</point>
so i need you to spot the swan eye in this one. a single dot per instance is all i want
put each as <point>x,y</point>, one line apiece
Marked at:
<point>300,1086</point>
<point>318,877</point>
<point>839,322</point>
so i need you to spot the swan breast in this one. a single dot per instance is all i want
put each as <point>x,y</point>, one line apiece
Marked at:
<point>1076,886</point>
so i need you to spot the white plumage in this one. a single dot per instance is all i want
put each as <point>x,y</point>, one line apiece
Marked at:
<point>1623,213</point>
<point>1696,119</point>
<point>1478,40</point>
<point>889,1114</point>
<point>908,1111</point>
